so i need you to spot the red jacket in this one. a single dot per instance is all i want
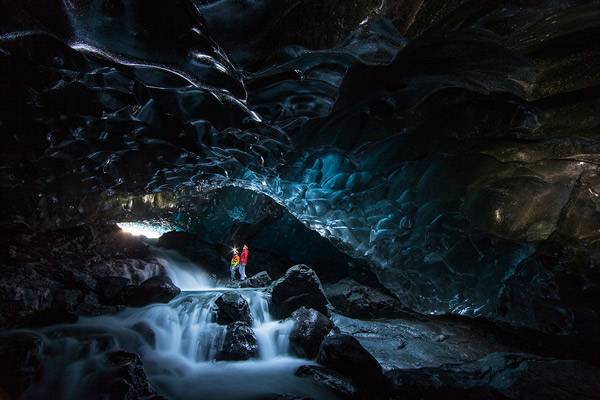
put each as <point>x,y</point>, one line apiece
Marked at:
<point>244,256</point>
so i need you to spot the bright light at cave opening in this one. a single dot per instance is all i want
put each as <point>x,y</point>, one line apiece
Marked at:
<point>140,229</point>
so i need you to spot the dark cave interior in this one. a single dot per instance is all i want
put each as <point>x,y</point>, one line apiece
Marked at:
<point>418,183</point>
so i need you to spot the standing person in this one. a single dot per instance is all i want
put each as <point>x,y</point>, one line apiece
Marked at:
<point>235,260</point>
<point>243,261</point>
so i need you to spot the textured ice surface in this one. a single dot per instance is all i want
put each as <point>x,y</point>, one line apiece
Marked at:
<point>453,147</point>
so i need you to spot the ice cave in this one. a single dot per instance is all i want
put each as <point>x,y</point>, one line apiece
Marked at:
<point>416,184</point>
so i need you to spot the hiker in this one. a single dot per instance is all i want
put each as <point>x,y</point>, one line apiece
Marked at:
<point>234,263</point>
<point>243,261</point>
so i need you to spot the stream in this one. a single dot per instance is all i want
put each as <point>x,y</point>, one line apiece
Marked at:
<point>178,343</point>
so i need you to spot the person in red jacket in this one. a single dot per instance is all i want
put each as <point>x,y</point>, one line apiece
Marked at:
<point>243,261</point>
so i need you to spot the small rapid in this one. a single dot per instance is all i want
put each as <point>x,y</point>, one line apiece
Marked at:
<point>178,343</point>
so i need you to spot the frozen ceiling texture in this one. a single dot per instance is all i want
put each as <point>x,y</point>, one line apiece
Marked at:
<point>451,145</point>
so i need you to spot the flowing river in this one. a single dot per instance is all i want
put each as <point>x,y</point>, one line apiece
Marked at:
<point>178,343</point>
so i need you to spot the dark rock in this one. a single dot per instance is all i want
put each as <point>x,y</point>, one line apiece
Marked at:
<point>341,385</point>
<point>262,279</point>
<point>239,344</point>
<point>108,288</point>
<point>50,316</point>
<point>67,299</point>
<point>157,289</point>
<point>300,286</point>
<point>54,276</point>
<point>354,300</point>
<point>310,327</point>
<point>20,355</point>
<point>500,376</point>
<point>344,354</point>
<point>146,332</point>
<point>122,376</point>
<point>232,307</point>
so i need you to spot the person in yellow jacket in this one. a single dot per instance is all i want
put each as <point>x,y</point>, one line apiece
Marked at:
<point>234,264</point>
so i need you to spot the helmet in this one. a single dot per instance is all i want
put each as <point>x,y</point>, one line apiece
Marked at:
<point>245,247</point>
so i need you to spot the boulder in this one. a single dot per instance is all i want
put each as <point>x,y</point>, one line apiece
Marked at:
<point>354,300</point>
<point>262,279</point>
<point>341,385</point>
<point>109,287</point>
<point>239,344</point>
<point>310,327</point>
<point>157,289</point>
<point>500,376</point>
<point>122,376</point>
<point>232,307</point>
<point>300,286</point>
<point>344,354</point>
<point>21,355</point>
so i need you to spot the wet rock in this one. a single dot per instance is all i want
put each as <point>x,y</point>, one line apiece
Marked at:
<point>122,376</point>
<point>500,376</point>
<point>108,288</point>
<point>146,332</point>
<point>310,327</point>
<point>158,289</point>
<point>239,344</point>
<point>344,354</point>
<point>67,299</point>
<point>300,286</point>
<point>341,385</point>
<point>262,279</point>
<point>21,355</point>
<point>232,307</point>
<point>54,276</point>
<point>354,300</point>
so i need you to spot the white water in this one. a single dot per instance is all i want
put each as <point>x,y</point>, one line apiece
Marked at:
<point>185,274</point>
<point>180,364</point>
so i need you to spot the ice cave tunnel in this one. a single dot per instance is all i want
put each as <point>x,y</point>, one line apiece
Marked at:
<point>418,184</point>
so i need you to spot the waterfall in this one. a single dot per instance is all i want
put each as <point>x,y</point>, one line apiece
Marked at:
<point>185,274</point>
<point>178,343</point>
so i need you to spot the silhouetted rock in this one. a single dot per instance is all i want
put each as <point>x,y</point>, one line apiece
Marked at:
<point>310,327</point>
<point>354,300</point>
<point>21,356</point>
<point>122,376</point>
<point>232,307</point>
<point>157,289</point>
<point>344,354</point>
<point>300,286</point>
<point>239,344</point>
<point>500,376</point>
<point>262,279</point>
<point>340,384</point>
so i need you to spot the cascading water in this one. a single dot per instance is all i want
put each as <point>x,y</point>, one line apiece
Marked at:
<point>178,343</point>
